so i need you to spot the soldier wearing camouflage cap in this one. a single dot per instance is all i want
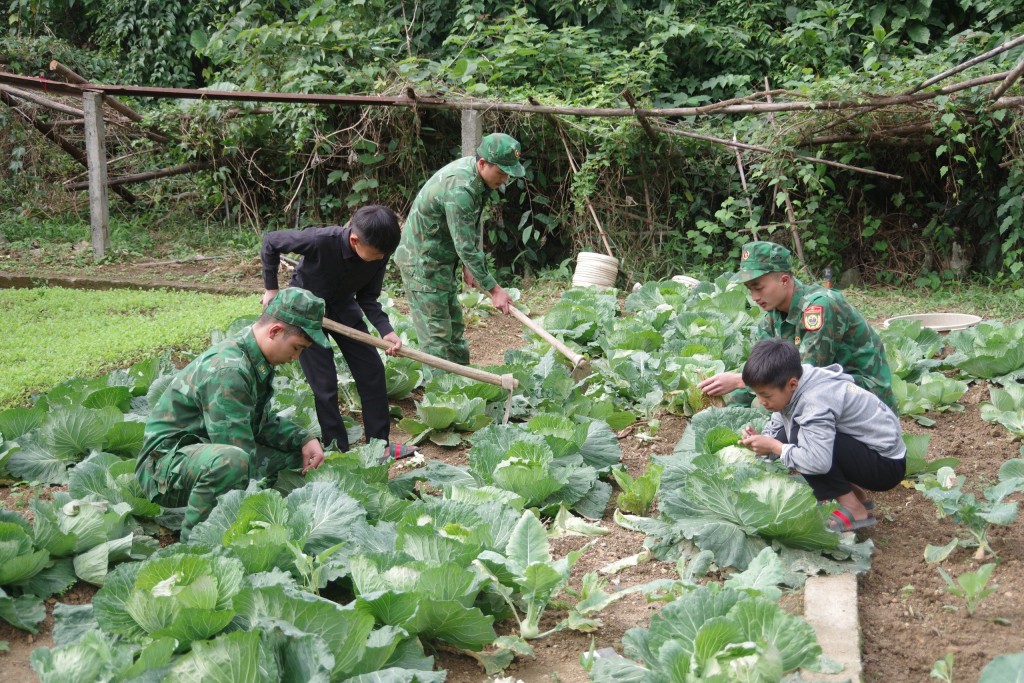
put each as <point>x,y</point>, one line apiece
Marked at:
<point>820,321</point>
<point>442,230</point>
<point>211,430</point>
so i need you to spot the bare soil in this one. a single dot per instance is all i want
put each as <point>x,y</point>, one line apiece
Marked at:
<point>908,619</point>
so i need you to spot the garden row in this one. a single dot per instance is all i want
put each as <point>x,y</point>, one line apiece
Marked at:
<point>354,572</point>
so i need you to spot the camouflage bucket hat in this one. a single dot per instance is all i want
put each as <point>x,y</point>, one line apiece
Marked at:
<point>502,150</point>
<point>302,309</point>
<point>760,258</point>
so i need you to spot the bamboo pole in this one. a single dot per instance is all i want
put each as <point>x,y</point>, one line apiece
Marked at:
<point>628,96</point>
<point>871,136</point>
<point>507,382</point>
<point>43,101</point>
<point>743,182</point>
<point>1008,45</point>
<point>765,150</point>
<point>1008,81</point>
<point>440,103</point>
<point>114,103</point>
<point>74,77</point>
<point>944,75</point>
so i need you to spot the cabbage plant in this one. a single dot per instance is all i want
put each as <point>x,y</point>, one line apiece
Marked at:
<point>714,633</point>
<point>183,592</point>
<point>526,575</point>
<point>1006,408</point>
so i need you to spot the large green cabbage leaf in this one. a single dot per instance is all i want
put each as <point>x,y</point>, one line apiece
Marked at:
<point>185,592</point>
<point>709,630</point>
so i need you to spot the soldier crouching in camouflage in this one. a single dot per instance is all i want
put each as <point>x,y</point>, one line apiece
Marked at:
<point>441,230</point>
<point>210,431</point>
<point>820,321</point>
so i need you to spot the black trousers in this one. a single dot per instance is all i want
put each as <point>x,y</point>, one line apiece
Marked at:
<point>368,372</point>
<point>852,463</point>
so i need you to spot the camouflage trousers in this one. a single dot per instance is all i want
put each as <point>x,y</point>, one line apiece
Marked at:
<point>437,317</point>
<point>194,476</point>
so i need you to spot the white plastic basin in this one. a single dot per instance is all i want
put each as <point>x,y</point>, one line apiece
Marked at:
<point>941,322</point>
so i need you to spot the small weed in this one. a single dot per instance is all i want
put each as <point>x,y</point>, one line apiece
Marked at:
<point>942,669</point>
<point>971,586</point>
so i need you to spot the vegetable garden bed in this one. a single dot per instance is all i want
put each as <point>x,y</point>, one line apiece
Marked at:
<point>907,625</point>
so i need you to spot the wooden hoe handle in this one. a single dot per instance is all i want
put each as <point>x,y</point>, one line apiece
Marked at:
<point>504,381</point>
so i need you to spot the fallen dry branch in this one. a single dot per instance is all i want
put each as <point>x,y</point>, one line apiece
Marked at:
<point>111,101</point>
<point>148,175</point>
<point>47,130</point>
<point>190,259</point>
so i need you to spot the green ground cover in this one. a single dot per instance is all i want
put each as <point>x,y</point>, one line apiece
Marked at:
<point>53,334</point>
<point>989,302</point>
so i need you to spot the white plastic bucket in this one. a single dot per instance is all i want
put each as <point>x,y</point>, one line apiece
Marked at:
<point>596,270</point>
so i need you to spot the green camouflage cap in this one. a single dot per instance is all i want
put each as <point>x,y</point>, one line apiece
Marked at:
<point>301,308</point>
<point>760,258</point>
<point>502,150</point>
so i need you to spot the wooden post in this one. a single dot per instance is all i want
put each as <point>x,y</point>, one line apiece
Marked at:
<point>96,154</point>
<point>794,229</point>
<point>472,131</point>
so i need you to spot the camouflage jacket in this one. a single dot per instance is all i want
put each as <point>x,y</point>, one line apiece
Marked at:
<point>443,228</point>
<point>827,329</point>
<point>220,397</point>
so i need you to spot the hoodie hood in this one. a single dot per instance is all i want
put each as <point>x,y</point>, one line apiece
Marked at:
<point>812,379</point>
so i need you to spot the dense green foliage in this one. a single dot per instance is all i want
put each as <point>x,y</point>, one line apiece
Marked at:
<point>55,334</point>
<point>957,208</point>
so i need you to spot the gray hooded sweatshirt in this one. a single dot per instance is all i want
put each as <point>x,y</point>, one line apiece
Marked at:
<point>827,401</point>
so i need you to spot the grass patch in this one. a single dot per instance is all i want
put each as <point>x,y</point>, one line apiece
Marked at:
<point>169,234</point>
<point>54,334</point>
<point>991,303</point>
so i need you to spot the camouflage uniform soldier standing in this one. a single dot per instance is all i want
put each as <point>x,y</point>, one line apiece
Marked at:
<point>822,324</point>
<point>210,431</point>
<point>441,230</point>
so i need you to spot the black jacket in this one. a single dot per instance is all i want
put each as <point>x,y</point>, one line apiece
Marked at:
<point>330,269</point>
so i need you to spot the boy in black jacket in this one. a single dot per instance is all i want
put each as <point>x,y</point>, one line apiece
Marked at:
<point>344,265</point>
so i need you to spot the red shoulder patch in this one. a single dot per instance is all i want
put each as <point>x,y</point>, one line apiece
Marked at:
<point>814,318</point>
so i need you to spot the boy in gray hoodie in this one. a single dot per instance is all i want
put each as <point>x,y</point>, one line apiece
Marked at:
<point>840,437</point>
